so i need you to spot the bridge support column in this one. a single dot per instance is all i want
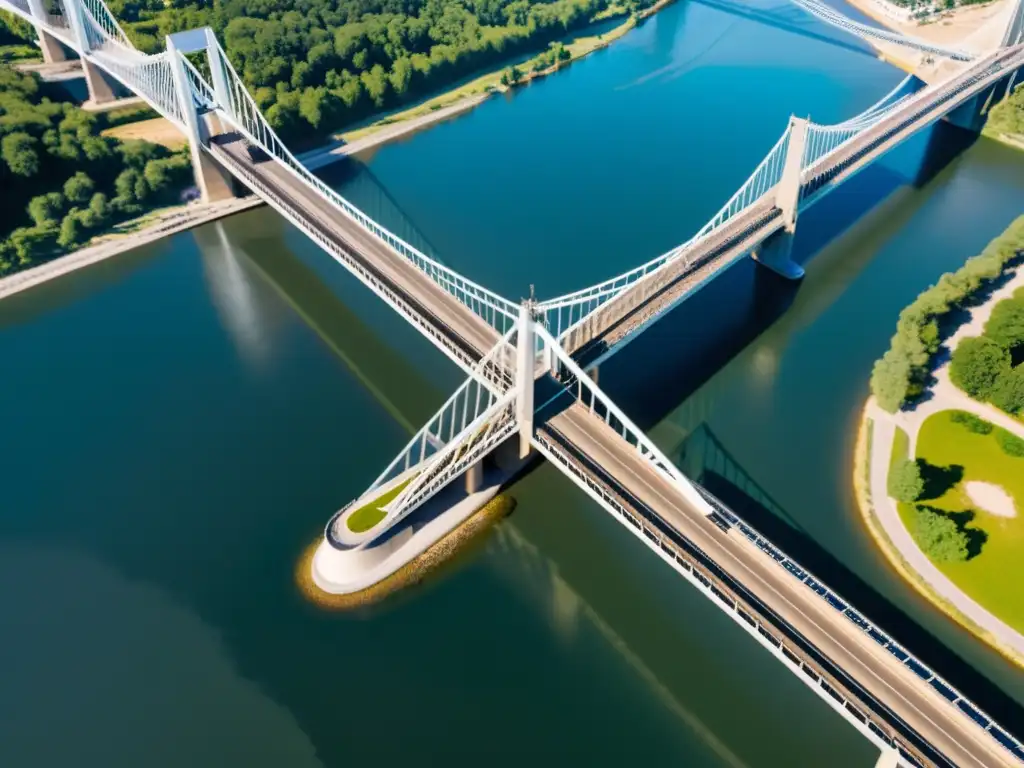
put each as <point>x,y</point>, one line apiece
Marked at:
<point>888,759</point>
<point>100,89</point>
<point>776,252</point>
<point>212,181</point>
<point>525,357</point>
<point>475,477</point>
<point>53,51</point>
<point>972,114</point>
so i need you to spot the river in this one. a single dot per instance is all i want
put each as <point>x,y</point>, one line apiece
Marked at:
<point>181,421</point>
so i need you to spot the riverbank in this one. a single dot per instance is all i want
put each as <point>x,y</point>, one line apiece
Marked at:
<point>961,27</point>
<point>887,521</point>
<point>871,459</point>
<point>476,91</point>
<point>127,236</point>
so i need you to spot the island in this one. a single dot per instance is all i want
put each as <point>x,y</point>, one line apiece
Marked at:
<point>939,473</point>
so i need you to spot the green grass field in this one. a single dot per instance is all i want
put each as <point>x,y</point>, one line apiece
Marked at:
<point>368,515</point>
<point>991,577</point>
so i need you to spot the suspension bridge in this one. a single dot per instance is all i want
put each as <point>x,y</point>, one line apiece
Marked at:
<point>532,365</point>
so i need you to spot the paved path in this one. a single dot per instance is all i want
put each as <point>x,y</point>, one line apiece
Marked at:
<point>318,158</point>
<point>888,516</point>
<point>945,396</point>
<point>874,670</point>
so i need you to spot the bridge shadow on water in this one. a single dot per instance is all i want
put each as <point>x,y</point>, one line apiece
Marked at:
<point>725,478</point>
<point>788,19</point>
<point>668,363</point>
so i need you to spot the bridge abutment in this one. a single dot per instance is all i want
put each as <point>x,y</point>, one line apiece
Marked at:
<point>776,252</point>
<point>972,114</point>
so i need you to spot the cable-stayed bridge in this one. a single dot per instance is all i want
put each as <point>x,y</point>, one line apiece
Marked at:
<point>526,360</point>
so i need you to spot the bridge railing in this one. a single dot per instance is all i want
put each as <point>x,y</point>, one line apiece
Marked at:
<point>876,633</point>
<point>465,427</point>
<point>578,385</point>
<point>831,16</point>
<point>241,109</point>
<point>564,313</point>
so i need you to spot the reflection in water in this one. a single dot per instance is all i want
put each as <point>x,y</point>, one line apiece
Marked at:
<point>528,568</point>
<point>112,672</point>
<point>231,290</point>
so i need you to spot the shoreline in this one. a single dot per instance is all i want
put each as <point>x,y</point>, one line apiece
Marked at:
<point>862,496</point>
<point>382,131</point>
<point>170,222</point>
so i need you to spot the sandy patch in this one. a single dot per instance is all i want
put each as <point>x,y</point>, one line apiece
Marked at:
<point>157,130</point>
<point>990,498</point>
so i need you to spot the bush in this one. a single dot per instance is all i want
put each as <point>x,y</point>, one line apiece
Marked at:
<point>971,422</point>
<point>977,364</point>
<point>902,372</point>
<point>79,188</point>
<point>1008,393</point>
<point>1010,443</point>
<point>905,481</point>
<point>1006,325</point>
<point>938,536</point>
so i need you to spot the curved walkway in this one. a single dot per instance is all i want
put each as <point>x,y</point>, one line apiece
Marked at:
<point>888,516</point>
<point>944,396</point>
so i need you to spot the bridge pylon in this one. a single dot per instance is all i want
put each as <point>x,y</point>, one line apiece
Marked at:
<point>776,251</point>
<point>212,181</point>
<point>526,350</point>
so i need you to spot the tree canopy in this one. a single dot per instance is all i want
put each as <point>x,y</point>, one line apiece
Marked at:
<point>60,176</point>
<point>317,65</point>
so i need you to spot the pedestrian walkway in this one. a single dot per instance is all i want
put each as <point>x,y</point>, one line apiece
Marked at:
<point>944,396</point>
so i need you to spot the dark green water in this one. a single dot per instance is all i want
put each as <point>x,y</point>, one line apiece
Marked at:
<point>181,421</point>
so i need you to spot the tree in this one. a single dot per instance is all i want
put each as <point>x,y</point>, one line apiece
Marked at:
<point>977,364</point>
<point>905,481</point>
<point>18,150</point>
<point>1008,392</point>
<point>46,209</point>
<point>79,188</point>
<point>72,230</point>
<point>1006,325</point>
<point>938,536</point>
<point>31,242</point>
<point>890,380</point>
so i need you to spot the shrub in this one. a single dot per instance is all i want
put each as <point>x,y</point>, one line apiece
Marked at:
<point>971,422</point>
<point>977,364</point>
<point>903,370</point>
<point>1006,325</point>
<point>1008,393</point>
<point>938,536</point>
<point>905,481</point>
<point>1010,443</point>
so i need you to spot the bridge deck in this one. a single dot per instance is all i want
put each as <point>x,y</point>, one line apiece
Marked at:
<point>464,333</point>
<point>651,297</point>
<point>819,635</point>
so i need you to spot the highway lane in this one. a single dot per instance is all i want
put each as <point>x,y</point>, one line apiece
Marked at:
<point>450,318</point>
<point>865,664</point>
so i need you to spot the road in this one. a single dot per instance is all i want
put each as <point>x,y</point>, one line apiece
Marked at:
<point>879,677</point>
<point>446,320</point>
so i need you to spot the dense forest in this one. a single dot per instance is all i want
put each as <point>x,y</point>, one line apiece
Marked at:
<point>62,180</point>
<point>317,65</point>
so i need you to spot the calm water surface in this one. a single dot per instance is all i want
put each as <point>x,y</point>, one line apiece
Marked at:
<point>180,423</point>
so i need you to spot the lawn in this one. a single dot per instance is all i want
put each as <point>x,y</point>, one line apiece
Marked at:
<point>992,576</point>
<point>368,515</point>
